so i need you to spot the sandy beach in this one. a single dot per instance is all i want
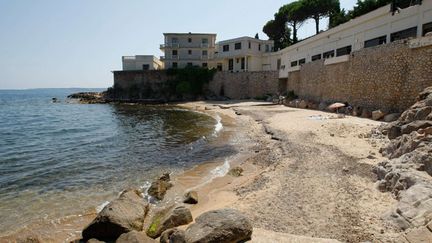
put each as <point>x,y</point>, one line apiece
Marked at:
<point>307,177</point>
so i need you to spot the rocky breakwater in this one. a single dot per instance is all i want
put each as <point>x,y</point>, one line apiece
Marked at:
<point>130,218</point>
<point>407,173</point>
<point>90,97</point>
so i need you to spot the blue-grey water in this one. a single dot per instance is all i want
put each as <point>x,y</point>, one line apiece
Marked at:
<point>61,158</point>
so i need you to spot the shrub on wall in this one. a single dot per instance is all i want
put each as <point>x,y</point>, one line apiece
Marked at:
<point>189,81</point>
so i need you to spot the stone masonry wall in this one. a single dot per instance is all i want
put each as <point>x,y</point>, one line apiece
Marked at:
<point>244,85</point>
<point>232,85</point>
<point>385,77</point>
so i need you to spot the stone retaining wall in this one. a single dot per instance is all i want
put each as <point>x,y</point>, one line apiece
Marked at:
<point>232,85</point>
<point>386,77</point>
<point>244,85</point>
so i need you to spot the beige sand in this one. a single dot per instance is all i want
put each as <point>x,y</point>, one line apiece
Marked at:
<point>308,176</point>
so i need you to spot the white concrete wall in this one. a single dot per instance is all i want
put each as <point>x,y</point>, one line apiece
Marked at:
<point>354,33</point>
<point>137,62</point>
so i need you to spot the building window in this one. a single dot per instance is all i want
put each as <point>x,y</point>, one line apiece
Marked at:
<point>189,40</point>
<point>237,60</point>
<point>174,40</point>
<point>174,65</point>
<point>219,66</point>
<point>343,51</point>
<point>231,64</point>
<point>204,65</point>
<point>376,41</point>
<point>427,28</point>
<point>278,64</point>
<point>316,57</point>
<point>226,48</point>
<point>243,62</point>
<point>204,41</point>
<point>249,45</point>
<point>267,48</point>
<point>328,54</point>
<point>259,47</point>
<point>189,64</point>
<point>237,46</point>
<point>302,61</point>
<point>204,52</point>
<point>403,34</point>
<point>174,52</point>
<point>190,52</point>
<point>293,64</point>
<point>146,67</point>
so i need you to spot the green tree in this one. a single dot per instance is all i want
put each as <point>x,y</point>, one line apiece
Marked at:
<point>318,9</point>
<point>256,36</point>
<point>294,15</point>
<point>278,31</point>
<point>338,17</point>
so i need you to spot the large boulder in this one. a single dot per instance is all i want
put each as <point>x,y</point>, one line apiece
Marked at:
<point>415,125</point>
<point>303,104</point>
<point>120,216</point>
<point>173,235</point>
<point>391,117</point>
<point>159,187</point>
<point>135,237</point>
<point>377,115</point>
<point>170,217</point>
<point>224,225</point>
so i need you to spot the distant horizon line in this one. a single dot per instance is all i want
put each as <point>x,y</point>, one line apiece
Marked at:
<point>1,89</point>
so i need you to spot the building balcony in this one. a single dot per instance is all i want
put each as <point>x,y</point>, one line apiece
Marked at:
<point>186,58</point>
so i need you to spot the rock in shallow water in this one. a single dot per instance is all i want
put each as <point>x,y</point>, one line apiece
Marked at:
<point>159,187</point>
<point>224,225</point>
<point>122,215</point>
<point>191,197</point>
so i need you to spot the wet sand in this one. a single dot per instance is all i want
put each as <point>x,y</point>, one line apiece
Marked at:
<point>307,178</point>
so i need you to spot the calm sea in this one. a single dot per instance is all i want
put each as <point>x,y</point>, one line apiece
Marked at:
<point>58,159</point>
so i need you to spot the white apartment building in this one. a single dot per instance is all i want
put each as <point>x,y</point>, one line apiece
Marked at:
<point>249,54</point>
<point>375,28</point>
<point>243,54</point>
<point>188,49</point>
<point>141,62</point>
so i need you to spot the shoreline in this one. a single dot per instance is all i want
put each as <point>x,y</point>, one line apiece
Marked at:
<point>269,131</point>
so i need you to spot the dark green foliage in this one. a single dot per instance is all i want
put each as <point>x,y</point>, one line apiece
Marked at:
<point>291,95</point>
<point>291,16</point>
<point>317,9</point>
<point>189,81</point>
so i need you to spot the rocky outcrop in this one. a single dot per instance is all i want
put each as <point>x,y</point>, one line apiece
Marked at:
<point>224,225</point>
<point>89,97</point>
<point>159,187</point>
<point>135,237</point>
<point>167,218</point>
<point>408,171</point>
<point>191,197</point>
<point>173,235</point>
<point>120,216</point>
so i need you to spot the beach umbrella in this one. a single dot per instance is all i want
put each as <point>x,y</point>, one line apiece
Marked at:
<point>336,106</point>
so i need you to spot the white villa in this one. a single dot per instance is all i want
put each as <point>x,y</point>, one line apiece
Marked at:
<point>246,54</point>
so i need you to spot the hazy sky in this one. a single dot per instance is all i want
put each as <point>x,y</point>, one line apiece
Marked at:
<point>51,43</point>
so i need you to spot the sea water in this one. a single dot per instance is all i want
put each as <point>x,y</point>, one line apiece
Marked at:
<point>61,158</point>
